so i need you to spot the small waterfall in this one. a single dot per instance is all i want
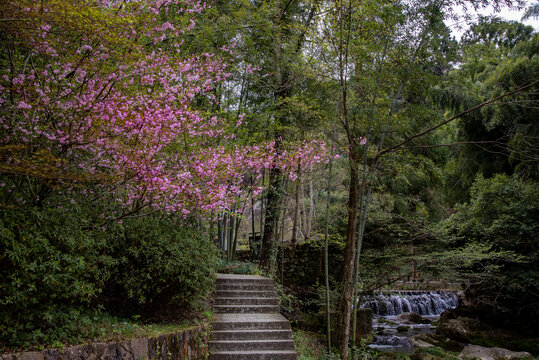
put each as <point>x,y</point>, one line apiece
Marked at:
<point>421,302</point>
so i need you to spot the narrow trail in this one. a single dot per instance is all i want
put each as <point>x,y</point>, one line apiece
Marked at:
<point>247,324</point>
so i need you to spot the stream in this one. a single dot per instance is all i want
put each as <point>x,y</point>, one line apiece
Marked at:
<point>393,331</point>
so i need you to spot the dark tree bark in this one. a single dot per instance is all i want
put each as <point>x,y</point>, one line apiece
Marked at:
<point>274,195</point>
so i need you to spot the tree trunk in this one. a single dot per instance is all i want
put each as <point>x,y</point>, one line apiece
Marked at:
<point>296,206</point>
<point>349,252</point>
<point>236,231</point>
<point>326,262</point>
<point>311,208</point>
<point>272,214</point>
<point>303,211</point>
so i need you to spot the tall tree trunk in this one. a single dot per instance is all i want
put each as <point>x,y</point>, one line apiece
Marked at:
<point>272,214</point>
<point>236,231</point>
<point>311,207</point>
<point>303,211</point>
<point>252,243</point>
<point>364,203</point>
<point>349,252</point>
<point>326,262</point>
<point>212,225</point>
<point>296,206</point>
<point>262,199</point>
<point>280,92</point>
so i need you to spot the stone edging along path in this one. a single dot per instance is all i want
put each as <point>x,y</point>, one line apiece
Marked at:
<point>186,344</point>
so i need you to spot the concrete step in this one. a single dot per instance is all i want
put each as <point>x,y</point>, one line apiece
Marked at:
<point>246,301</point>
<point>246,309</point>
<point>247,324</point>
<point>254,355</point>
<point>244,279</point>
<point>251,345</point>
<point>250,322</point>
<point>251,335</point>
<point>242,286</point>
<point>245,293</point>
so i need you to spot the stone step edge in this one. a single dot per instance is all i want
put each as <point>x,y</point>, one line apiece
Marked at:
<point>247,293</point>
<point>242,306</point>
<point>254,341</point>
<point>244,297</point>
<point>254,352</point>
<point>248,331</point>
<point>249,325</point>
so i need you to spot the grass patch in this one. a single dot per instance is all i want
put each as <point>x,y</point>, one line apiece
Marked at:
<point>309,345</point>
<point>238,267</point>
<point>439,352</point>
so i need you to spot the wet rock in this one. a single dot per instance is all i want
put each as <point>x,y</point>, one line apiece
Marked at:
<point>388,331</point>
<point>460,329</point>
<point>485,353</point>
<point>385,321</point>
<point>412,318</point>
<point>393,341</point>
<point>430,340</point>
<point>402,328</point>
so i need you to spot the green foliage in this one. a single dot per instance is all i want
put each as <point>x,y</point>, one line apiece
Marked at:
<point>436,351</point>
<point>502,211</point>
<point>362,351</point>
<point>164,264</point>
<point>494,240</point>
<point>493,31</point>
<point>54,271</point>
<point>310,346</point>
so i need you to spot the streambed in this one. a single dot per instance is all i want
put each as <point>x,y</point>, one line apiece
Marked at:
<point>393,329</point>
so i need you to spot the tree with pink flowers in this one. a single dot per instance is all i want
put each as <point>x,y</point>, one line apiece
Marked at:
<point>103,94</point>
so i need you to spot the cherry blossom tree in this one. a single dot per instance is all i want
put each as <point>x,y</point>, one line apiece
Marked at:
<point>100,92</point>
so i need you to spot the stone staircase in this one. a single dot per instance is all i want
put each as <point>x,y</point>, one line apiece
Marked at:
<point>247,324</point>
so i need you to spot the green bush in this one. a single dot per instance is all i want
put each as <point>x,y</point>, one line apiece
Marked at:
<point>163,264</point>
<point>496,236</point>
<point>56,267</point>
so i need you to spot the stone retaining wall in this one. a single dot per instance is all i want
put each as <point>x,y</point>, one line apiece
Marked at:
<point>186,344</point>
<point>304,263</point>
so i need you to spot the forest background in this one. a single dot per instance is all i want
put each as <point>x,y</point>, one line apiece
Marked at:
<point>135,137</point>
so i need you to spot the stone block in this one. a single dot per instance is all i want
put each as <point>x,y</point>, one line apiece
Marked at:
<point>187,344</point>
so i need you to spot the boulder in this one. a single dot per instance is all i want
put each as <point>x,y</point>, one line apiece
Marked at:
<point>460,329</point>
<point>493,353</point>
<point>419,343</point>
<point>430,340</point>
<point>412,318</point>
<point>388,331</point>
<point>402,328</point>
<point>473,331</point>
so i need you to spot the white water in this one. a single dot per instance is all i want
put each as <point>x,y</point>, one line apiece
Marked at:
<point>386,307</point>
<point>421,302</point>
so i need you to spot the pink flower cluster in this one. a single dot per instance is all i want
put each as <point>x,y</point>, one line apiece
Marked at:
<point>114,105</point>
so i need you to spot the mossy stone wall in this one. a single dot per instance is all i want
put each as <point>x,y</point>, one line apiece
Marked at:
<point>186,344</point>
<point>304,263</point>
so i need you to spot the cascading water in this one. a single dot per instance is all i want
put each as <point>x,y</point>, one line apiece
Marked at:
<point>393,332</point>
<point>421,302</point>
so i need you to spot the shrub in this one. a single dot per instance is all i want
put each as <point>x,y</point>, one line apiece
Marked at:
<point>496,237</point>
<point>55,267</point>
<point>163,264</point>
